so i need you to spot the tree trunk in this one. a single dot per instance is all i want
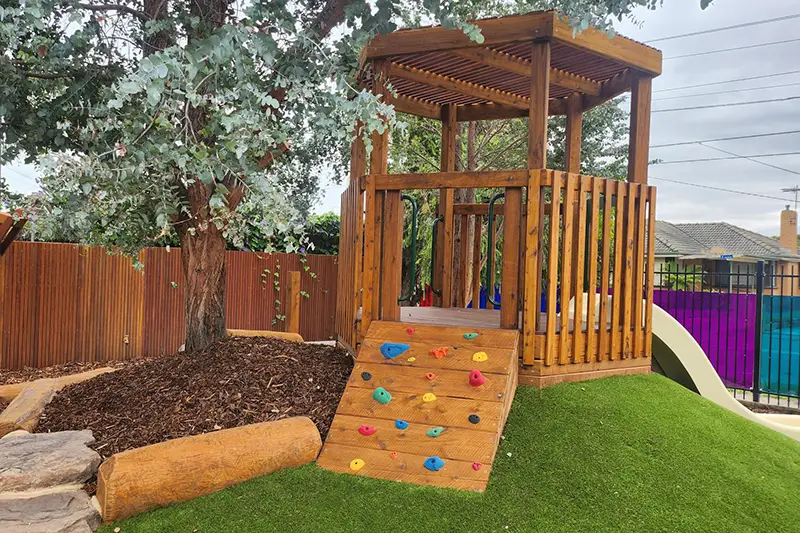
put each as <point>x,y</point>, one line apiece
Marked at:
<point>462,279</point>
<point>203,261</point>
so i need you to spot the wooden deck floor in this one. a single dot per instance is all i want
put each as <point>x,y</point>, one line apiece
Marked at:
<point>459,317</point>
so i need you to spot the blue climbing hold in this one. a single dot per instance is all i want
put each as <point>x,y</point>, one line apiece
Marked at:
<point>400,424</point>
<point>366,376</point>
<point>474,419</point>
<point>390,350</point>
<point>381,395</point>
<point>434,432</point>
<point>434,463</point>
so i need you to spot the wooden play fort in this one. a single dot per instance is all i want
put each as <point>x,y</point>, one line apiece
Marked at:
<point>576,266</point>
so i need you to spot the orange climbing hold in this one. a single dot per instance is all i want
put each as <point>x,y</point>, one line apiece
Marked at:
<point>393,455</point>
<point>439,353</point>
<point>430,376</point>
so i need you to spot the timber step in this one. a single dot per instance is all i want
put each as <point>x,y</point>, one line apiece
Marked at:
<point>471,418</point>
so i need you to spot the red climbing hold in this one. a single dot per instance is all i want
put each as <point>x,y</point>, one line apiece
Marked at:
<point>476,466</point>
<point>393,455</point>
<point>410,331</point>
<point>438,353</point>
<point>430,376</point>
<point>476,379</point>
<point>366,430</point>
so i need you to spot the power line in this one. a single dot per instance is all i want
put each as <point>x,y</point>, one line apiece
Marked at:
<point>728,81</point>
<point>737,137</point>
<point>750,158</point>
<point>726,28</point>
<point>729,91</point>
<point>726,105</point>
<point>20,174</point>
<point>721,189</point>
<point>749,46</point>
<point>703,160</point>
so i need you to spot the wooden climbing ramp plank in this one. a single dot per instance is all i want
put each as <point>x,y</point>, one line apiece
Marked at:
<point>453,443</point>
<point>443,422</point>
<point>419,380</point>
<point>443,411</point>
<point>459,357</point>
<point>405,467</point>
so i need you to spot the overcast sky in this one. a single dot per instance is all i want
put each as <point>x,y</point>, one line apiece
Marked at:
<point>680,203</point>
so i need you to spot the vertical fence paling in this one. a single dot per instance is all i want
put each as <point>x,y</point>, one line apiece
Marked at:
<point>67,303</point>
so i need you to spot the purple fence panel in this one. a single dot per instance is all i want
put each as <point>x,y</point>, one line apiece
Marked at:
<point>723,324</point>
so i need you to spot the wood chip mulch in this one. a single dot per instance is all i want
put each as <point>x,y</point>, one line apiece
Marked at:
<point>8,377</point>
<point>235,381</point>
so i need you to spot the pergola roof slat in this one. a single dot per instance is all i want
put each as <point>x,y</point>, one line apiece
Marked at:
<point>434,66</point>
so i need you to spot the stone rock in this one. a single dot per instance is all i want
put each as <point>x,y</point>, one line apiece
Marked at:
<point>39,460</point>
<point>56,512</point>
<point>15,433</point>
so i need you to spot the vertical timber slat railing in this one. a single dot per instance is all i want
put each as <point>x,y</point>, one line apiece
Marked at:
<point>350,257</point>
<point>596,260</point>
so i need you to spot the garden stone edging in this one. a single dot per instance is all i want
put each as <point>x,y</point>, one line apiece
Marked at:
<point>40,460</point>
<point>68,511</point>
<point>41,478</point>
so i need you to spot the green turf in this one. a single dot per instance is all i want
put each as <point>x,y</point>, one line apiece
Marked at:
<point>635,453</point>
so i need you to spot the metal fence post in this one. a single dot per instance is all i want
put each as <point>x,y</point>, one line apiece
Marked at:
<point>758,332</point>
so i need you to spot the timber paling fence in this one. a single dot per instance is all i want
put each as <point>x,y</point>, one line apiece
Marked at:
<point>746,319</point>
<point>64,303</point>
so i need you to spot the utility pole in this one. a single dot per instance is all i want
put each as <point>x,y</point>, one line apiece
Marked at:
<point>795,190</point>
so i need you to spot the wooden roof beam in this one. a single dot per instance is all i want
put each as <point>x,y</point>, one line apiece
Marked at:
<point>416,106</point>
<point>495,31</point>
<point>472,112</point>
<point>610,88</point>
<point>445,83</point>
<point>515,65</point>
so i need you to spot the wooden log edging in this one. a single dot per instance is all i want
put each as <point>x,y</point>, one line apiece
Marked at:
<point>9,392</point>
<point>138,480</point>
<point>282,335</point>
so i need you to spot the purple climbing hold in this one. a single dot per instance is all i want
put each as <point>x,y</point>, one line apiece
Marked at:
<point>390,350</point>
<point>434,463</point>
<point>400,424</point>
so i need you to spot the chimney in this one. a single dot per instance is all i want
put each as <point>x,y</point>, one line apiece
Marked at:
<point>789,230</point>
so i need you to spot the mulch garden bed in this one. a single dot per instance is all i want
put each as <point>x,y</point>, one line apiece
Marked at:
<point>7,377</point>
<point>234,382</point>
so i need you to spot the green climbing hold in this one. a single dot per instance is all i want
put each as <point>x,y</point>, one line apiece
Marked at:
<point>434,432</point>
<point>470,336</point>
<point>381,395</point>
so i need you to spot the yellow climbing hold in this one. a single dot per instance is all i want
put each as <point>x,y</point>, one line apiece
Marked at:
<point>411,359</point>
<point>356,464</point>
<point>428,397</point>
<point>480,357</point>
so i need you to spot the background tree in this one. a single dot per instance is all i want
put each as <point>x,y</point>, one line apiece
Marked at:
<point>165,116</point>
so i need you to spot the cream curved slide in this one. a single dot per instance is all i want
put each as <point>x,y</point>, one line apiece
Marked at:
<point>681,359</point>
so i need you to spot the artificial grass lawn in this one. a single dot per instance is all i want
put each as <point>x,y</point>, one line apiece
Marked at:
<point>636,453</point>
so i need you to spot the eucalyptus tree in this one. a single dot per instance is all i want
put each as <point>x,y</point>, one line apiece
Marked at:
<point>164,116</point>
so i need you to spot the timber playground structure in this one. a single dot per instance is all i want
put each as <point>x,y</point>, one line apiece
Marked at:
<point>432,387</point>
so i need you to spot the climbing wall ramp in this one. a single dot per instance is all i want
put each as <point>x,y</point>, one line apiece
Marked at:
<point>425,405</point>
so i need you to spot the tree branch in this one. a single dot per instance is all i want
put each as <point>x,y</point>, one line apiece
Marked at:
<point>114,7</point>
